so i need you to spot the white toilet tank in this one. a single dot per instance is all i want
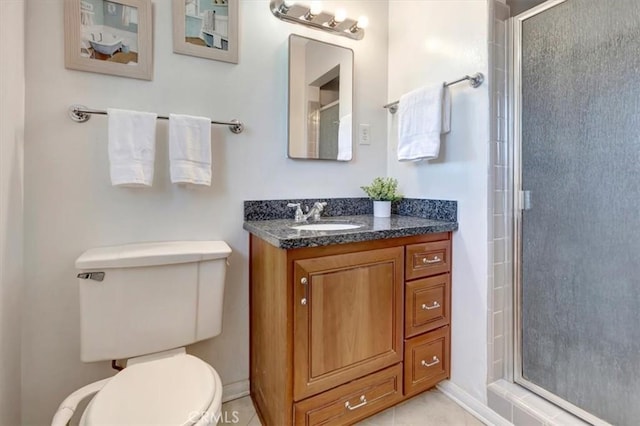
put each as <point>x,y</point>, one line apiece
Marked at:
<point>152,297</point>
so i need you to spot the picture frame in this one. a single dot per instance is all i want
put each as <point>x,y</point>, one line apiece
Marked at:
<point>109,37</point>
<point>206,28</point>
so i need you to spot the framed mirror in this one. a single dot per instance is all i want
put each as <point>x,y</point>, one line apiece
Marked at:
<point>320,100</point>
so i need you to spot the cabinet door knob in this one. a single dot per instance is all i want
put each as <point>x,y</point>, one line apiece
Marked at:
<point>303,301</point>
<point>363,401</point>
<point>427,261</point>
<point>428,308</point>
<point>433,362</point>
<point>303,281</point>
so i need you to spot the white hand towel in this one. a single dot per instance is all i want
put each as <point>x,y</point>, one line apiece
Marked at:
<point>217,41</point>
<point>132,147</point>
<point>344,138</point>
<point>190,149</point>
<point>423,115</point>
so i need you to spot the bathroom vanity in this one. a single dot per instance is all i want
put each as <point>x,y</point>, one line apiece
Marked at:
<point>347,323</point>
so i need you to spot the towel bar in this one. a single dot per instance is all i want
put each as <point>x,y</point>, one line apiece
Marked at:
<point>474,80</point>
<point>80,114</point>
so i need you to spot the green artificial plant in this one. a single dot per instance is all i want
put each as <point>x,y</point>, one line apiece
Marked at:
<point>383,189</point>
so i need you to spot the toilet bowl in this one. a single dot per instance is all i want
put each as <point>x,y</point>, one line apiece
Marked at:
<point>176,390</point>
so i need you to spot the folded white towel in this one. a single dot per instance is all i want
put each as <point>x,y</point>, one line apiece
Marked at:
<point>217,41</point>
<point>423,115</point>
<point>190,149</point>
<point>209,21</point>
<point>132,147</point>
<point>344,138</point>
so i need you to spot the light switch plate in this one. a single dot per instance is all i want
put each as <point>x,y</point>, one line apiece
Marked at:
<point>364,134</point>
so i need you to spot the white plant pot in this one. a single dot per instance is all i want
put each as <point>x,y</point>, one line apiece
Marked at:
<point>382,208</point>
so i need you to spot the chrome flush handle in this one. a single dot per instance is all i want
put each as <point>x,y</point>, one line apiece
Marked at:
<point>96,276</point>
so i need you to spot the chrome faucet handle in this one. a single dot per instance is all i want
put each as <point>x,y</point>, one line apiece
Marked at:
<point>318,207</point>
<point>299,216</point>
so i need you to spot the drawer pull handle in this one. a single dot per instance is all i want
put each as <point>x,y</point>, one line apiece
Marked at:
<point>363,402</point>
<point>435,361</point>
<point>435,259</point>
<point>428,308</point>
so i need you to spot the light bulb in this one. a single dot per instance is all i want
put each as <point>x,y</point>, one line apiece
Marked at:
<point>316,8</point>
<point>363,22</point>
<point>286,5</point>
<point>340,16</point>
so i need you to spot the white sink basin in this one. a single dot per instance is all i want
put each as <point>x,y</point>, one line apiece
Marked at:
<point>325,227</point>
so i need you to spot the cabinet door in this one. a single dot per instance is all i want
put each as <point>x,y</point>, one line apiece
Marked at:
<point>348,317</point>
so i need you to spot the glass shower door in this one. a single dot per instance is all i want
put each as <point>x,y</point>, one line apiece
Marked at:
<point>577,170</point>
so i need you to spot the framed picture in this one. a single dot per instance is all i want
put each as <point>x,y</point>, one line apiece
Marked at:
<point>109,37</point>
<point>206,28</point>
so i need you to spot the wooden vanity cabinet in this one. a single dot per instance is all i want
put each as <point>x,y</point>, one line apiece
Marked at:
<point>329,328</point>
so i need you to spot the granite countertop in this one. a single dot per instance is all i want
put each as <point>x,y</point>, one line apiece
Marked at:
<point>279,233</point>
<point>272,220</point>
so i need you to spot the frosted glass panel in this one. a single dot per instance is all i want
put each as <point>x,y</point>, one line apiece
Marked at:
<point>581,237</point>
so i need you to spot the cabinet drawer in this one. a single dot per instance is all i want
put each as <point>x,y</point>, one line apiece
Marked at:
<point>428,259</point>
<point>427,304</point>
<point>426,360</point>
<point>353,401</point>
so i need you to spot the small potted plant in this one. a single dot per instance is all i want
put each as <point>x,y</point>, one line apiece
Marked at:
<point>382,191</point>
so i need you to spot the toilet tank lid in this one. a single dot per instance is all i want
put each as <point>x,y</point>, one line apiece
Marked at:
<point>150,254</point>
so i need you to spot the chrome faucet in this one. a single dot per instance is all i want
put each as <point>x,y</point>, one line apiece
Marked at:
<point>314,213</point>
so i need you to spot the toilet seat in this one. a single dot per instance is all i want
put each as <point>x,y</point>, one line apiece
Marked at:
<point>179,390</point>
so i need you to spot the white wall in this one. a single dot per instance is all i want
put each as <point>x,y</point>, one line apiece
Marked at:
<point>12,83</point>
<point>430,42</point>
<point>70,205</point>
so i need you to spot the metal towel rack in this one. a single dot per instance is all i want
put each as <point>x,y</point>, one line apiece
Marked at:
<point>475,80</point>
<point>80,114</point>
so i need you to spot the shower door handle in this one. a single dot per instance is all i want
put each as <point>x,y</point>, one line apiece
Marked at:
<point>525,200</point>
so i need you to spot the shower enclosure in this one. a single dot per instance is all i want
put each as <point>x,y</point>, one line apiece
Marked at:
<point>576,118</point>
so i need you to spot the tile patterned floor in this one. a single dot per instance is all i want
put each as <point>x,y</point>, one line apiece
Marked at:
<point>430,408</point>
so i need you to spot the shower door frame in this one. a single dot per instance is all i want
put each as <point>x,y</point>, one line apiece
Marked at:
<point>515,118</point>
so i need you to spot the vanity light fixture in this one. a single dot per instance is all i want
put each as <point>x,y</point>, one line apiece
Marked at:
<point>313,16</point>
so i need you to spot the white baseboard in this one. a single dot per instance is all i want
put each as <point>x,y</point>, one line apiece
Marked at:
<point>235,390</point>
<point>479,410</point>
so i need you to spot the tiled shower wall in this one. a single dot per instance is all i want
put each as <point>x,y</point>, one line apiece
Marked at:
<point>499,217</point>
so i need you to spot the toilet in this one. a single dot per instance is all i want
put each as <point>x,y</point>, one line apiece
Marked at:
<point>144,303</point>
